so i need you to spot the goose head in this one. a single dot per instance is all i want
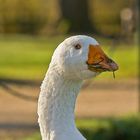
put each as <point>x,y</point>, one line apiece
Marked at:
<point>81,57</point>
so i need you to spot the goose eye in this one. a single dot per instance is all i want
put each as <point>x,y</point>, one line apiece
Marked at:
<point>78,46</point>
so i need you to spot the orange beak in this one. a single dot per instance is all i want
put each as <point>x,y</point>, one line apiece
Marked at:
<point>98,61</point>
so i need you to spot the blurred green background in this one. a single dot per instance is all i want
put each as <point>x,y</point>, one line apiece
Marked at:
<point>31,30</point>
<point>52,17</point>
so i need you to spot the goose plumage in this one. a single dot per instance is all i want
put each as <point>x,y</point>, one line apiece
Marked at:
<point>77,58</point>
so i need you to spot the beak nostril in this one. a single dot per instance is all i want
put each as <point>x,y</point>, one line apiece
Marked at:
<point>110,61</point>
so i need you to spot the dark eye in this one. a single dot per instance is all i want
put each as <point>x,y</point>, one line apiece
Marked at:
<point>77,47</point>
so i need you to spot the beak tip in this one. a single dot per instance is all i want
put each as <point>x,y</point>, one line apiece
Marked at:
<point>114,66</point>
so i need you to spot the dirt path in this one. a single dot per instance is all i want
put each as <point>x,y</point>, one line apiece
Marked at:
<point>96,99</point>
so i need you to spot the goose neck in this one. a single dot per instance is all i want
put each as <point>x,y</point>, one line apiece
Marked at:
<point>56,106</point>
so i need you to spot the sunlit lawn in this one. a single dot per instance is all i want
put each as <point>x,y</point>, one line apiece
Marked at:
<point>29,57</point>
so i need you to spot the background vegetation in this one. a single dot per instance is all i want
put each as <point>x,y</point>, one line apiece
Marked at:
<point>56,17</point>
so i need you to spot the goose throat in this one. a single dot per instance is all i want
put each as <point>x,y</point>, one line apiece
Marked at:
<point>56,106</point>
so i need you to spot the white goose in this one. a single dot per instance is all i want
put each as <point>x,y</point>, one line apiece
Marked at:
<point>74,60</point>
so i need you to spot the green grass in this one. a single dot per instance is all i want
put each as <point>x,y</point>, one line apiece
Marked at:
<point>26,58</point>
<point>29,57</point>
<point>123,128</point>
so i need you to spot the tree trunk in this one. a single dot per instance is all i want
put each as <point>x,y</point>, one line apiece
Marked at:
<point>76,13</point>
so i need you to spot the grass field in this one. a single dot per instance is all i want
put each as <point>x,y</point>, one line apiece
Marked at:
<point>29,57</point>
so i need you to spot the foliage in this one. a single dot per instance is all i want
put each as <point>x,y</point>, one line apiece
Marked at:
<point>105,14</point>
<point>54,16</point>
<point>22,16</point>
<point>115,129</point>
<point>127,128</point>
<point>28,57</point>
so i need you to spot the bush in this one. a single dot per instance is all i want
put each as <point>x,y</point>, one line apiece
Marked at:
<point>118,129</point>
<point>105,14</point>
<point>54,16</point>
<point>22,16</point>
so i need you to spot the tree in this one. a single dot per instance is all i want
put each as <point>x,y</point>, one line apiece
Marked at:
<point>75,12</point>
